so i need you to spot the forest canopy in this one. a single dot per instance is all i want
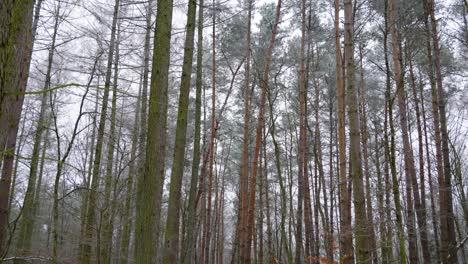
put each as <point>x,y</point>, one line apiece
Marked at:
<point>248,131</point>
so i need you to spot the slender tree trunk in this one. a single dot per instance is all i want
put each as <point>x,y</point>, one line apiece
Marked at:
<point>189,241</point>
<point>390,152</point>
<point>346,236</point>
<point>380,198</point>
<point>390,143</point>
<point>127,213</point>
<point>261,204</point>
<point>86,251</point>
<point>221,215</point>
<point>258,137</point>
<point>362,234</point>
<point>447,219</point>
<point>62,158</point>
<point>214,126</point>
<point>284,238</point>
<point>267,202</point>
<point>107,229</point>
<point>330,236</point>
<point>303,86</point>
<point>364,140</point>
<point>244,187</point>
<point>436,125</point>
<point>84,203</point>
<point>138,226</point>
<point>26,225</point>
<point>171,242</point>
<point>152,179</point>
<point>408,152</point>
<point>429,172</point>
<point>420,196</point>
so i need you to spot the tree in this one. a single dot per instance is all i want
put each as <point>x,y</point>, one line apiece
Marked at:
<point>26,225</point>
<point>152,179</point>
<point>448,240</point>
<point>189,241</point>
<point>258,135</point>
<point>363,254</point>
<point>171,241</point>
<point>408,154</point>
<point>15,55</point>
<point>86,249</point>
<point>346,249</point>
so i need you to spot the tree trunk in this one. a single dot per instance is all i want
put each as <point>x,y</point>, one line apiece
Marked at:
<point>152,178</point>
<point>26,225</point>
<point>419,194</point>
<point>284,238</point>
<point>171,242</point>
<point>84,202</point>
<point>407,150</point>
<point>85,254</point>
<point>364,139</point>
<point>62,158</point>
<point>189,241</point>
<point>107,229</point>
<point>244,177</point>
<point>258,137</point>
<point>391,147</point>
<point>16,41</point>
<point>214,127</point>
<point>346,236</point>
<point>429,171</point>
<point>380,198</point>
<point>127,213</point>
<point>362,235</point>
<point>143,133</point>
<point>447,219</point>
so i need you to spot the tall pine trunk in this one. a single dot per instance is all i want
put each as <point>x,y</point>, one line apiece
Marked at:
<point>390,144</point>
<point>244,175</point>
<point>188,245</point>
<point>346,236</point>
<point>259,135</point>
<point>86,250</point>
<point>447,218</point>
<point>26,225</point>
<point>171,241</point>
<point>16,39</point>
<point>151,181</point>
<point>127,213</point>
<point>112,142</point>
<point>362,235</point>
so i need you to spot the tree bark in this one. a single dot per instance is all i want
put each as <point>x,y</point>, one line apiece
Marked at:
<point>16,41</point>
<point>258,137</point>
<point>346,236</point>
<point>244,177</point>
<point>447,218</point>
<point>86,251</point>
<point>152,179</point>
<point>112,141</point>
<point>419,193</point>
<point>127,213</point>
<point>189,242</point>
<point>171,242</point>
<point>362,235</point>
<point>284,238</point>
<point>407,150</point>
<point>26,225</point>
<point>364,140</point>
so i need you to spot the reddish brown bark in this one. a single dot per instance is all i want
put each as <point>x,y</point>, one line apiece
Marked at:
<point>258,137</point>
